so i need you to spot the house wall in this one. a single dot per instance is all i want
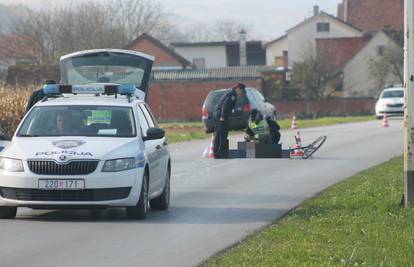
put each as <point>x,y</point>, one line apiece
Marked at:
<point>215,56</point>
<point>162,58</point>
<point>358,80</point>
<point>301,40</point>
<point>276,50</point>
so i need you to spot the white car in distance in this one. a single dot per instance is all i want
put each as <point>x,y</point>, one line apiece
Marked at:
<point>391,102</point>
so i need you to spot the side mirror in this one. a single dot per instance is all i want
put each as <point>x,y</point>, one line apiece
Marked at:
<point>266,99</point>
<point>154,134</point>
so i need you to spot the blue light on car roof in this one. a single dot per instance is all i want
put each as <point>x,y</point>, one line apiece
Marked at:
<point>51,89</point>
<point>126,89</point>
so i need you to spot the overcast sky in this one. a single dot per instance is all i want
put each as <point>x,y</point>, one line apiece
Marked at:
<point>268,18</point>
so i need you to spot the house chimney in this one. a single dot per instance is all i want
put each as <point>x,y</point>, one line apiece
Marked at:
<point>315,10</point>
<point>346,10</point>
<point>243,48</point>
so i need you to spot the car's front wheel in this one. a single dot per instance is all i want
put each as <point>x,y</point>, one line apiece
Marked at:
<point>163,201</point>
<point>139,212</point>
<point>8,212</point>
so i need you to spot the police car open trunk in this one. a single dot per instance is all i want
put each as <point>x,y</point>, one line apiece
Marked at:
<point>108,66</point>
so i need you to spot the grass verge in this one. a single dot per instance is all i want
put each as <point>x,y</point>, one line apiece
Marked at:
<point>187,131</point>
<point>358,222</point>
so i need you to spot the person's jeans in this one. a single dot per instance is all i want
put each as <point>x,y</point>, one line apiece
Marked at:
<point>221,130</point>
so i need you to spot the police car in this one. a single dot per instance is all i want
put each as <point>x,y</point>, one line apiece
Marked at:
<point>91,142</point>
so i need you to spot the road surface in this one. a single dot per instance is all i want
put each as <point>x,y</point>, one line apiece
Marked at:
<point>215,203</point>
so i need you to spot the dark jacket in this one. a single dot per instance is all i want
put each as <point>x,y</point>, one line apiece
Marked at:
<point>225,105</point>
<point>273,125</point>
<point>34,98</point>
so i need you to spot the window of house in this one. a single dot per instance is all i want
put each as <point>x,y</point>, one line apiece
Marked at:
<point>380,50</point>
<point>323,26</point>
<point>279,61</point>
<point>199,63</point>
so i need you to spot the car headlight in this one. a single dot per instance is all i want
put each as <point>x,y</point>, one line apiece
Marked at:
<point>11,165</point>
<point>117,165</point>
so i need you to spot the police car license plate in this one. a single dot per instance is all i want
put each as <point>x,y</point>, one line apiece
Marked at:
<point>61,184</point>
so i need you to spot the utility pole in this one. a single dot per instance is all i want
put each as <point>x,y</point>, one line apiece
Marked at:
<point>409,103</point>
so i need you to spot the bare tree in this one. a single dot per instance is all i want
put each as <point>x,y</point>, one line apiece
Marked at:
<point>390,63</point>
<point>87,25</point>
<point>220,30</point>
<point>309,78</point>
<point>135,17</point>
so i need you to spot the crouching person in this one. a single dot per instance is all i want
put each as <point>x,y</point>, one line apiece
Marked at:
<point>263,129</point>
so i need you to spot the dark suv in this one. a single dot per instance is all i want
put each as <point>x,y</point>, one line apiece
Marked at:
<point>240,115</point>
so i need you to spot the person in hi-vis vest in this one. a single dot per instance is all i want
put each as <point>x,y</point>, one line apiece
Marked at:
<point>262,128</point>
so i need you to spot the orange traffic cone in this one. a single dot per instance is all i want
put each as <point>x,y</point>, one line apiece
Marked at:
<point>294,126</point>
<point>297,152</point>
<point>385,122</point>
<point>209,151</point>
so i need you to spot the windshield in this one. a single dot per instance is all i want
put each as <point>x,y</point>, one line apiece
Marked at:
<point>79,121</point>
<point>105,67</point>
<point>393,94</point>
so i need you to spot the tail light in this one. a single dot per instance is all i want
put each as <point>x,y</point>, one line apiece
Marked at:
<point>247,108</point>
<point>204,113</point>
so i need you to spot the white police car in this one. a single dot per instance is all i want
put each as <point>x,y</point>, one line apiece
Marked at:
<point>90,144</point>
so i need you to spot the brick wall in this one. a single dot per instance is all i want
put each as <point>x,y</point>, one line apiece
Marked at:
<point>332,106</point>
<point>183,100</point>
<point>373,15</point>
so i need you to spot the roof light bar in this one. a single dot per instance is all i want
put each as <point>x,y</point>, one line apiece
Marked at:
<point>108,89</point>
<point>88,89</point>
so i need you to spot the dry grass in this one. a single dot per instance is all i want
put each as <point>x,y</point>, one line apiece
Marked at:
<point>12,107</point>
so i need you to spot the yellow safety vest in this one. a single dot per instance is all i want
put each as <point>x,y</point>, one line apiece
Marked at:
<point>262,128</point>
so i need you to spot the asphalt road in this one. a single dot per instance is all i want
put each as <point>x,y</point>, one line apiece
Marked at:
<point>215,203</point>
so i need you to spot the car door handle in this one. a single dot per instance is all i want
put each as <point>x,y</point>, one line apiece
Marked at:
<point>158,147</point>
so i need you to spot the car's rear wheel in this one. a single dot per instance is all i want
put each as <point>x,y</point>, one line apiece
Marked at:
<point>8,212</point>
<point>139,212</point>
<point>163,201</point>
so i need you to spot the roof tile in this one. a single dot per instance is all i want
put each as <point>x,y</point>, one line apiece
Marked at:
<point>245,72</point>
<point>335,53</point>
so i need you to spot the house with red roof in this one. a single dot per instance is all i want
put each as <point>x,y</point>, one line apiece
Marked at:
<point>165,57</point>
<point>300,40</point>
<point>348,62</point>
<point>336,52</point>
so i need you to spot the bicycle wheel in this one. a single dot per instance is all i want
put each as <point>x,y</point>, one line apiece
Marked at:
<point>313,147</point>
